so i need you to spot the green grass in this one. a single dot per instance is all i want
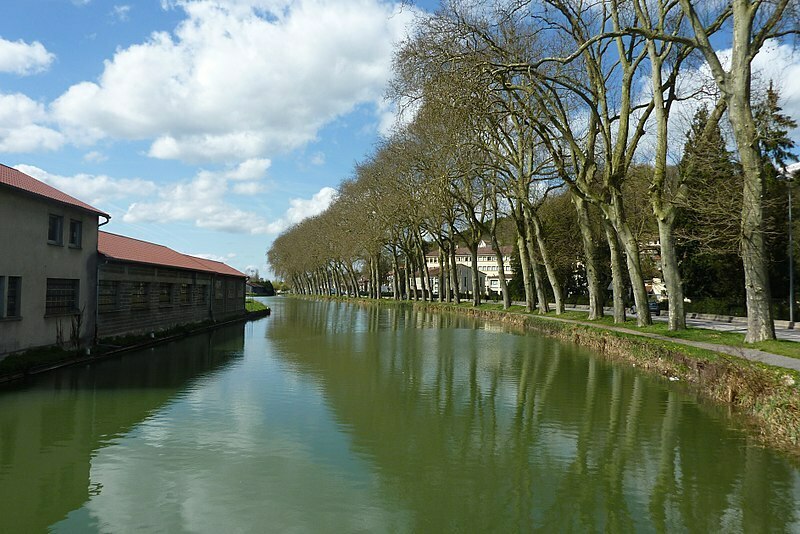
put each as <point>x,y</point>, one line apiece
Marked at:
<point>254,306</point>
<point>733,339</point>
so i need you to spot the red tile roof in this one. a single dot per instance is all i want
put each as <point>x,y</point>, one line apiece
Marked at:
<point>20,180</point>
<point>134,250</point>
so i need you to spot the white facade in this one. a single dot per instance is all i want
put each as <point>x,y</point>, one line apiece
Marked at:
<point>487,264</point>
<point>464,279</point>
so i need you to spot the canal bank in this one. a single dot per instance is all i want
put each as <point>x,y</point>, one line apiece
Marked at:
<point>37,361</point>
<point>765,396</point>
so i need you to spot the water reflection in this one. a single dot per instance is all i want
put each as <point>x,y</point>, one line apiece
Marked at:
<point>350,418</point>
<point>52,427</point>
<point>475,430</point>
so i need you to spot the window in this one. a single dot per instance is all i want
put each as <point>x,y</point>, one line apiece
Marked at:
<point>75,233</point>
<point>140,296</point>
<point>164,294</point>
<point>13,296</point>
<point>55,230</point>
<point>10,288</point>
<point>107,295</point>
<point>186,294</point>
<point>62,296</point>
<point>218,294</point>
<point>231,290</point>
<point>202,292</point>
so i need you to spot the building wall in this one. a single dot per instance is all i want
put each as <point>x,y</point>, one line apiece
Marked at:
<point>487,264</point>
<point>137,299</point>
<point>228,297</point>
<point>26,253</point>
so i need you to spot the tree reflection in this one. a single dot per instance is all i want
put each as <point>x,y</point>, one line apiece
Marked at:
<point>472,429</point>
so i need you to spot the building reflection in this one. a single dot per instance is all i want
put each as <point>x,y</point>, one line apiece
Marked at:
<point>52,427</point>
<point>481,431</point>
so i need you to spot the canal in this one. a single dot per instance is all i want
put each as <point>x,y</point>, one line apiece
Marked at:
<point>332,417</point>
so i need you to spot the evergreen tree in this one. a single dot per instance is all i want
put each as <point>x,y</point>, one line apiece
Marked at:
<point>708,226</point>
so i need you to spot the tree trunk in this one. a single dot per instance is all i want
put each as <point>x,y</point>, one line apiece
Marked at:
<point>538,277</point>
<point>395,275</point>
<point>476,277</point>
<point>552,277</point>
<point>501,273</point>
<point>760,325</point>
<point>631,247</point>
<point>440,276</point>
<point>526,272</point>
<point>617,282</point>
<point>672,275</point>
<point>589,258</point>
<point>454,273</point>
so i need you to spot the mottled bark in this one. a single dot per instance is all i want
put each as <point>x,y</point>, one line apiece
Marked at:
<point>590,260</point>
<point>617,283</point>
<point>552,276</point>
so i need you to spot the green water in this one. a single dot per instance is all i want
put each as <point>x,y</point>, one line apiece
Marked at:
<point>330,417</point>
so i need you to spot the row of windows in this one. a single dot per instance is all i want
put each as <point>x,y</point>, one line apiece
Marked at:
<point>55,231</point>
<point>109,292</point>
<point>61,297</point>
<point>468,259</point>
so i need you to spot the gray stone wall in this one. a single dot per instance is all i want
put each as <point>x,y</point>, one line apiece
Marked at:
<point>25,253</point>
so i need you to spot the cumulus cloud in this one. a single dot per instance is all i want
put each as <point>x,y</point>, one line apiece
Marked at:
<point>23,125</point>
<point>300,208</point>
<point>19,57</point>
<point>202,201</point>
<point>94,189</point>
<point>241,79</point>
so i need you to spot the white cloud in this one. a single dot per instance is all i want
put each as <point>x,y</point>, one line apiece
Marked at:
<point>94,189</point>
<point>248,188</point>
<point>121,12</point>
<point>23,125</point>
<point>202,201</point>
<point>214,257</point>
<point>95,157</point>
<point>318,159</point>
<point>300,208</point>
<point>19,57</point>
<point>241,79</point>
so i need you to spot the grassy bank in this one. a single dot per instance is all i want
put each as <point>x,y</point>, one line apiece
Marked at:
<point>255,306</point>
<point>767,398</point>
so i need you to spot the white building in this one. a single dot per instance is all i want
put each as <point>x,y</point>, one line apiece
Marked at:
<point>487,265</point>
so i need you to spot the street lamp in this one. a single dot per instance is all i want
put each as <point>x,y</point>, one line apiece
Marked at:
<point>789,175</point>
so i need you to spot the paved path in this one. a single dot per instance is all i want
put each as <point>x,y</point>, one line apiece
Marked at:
<point>748,354</point>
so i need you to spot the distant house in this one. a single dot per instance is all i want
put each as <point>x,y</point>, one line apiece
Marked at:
<point>487,264</point>
<point>144,287</point>
<point>464,279</point>
<point>48,264</point>
<point>254,288</point>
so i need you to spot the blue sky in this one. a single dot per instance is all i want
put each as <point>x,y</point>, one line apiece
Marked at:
<point>211,125</point>
<point>208,126</point>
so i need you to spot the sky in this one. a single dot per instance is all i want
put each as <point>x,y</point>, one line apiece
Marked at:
<point>207,126</point>
<point>210,126</point>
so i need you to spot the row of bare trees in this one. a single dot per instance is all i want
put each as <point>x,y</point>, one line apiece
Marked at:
<point>511,103</point>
